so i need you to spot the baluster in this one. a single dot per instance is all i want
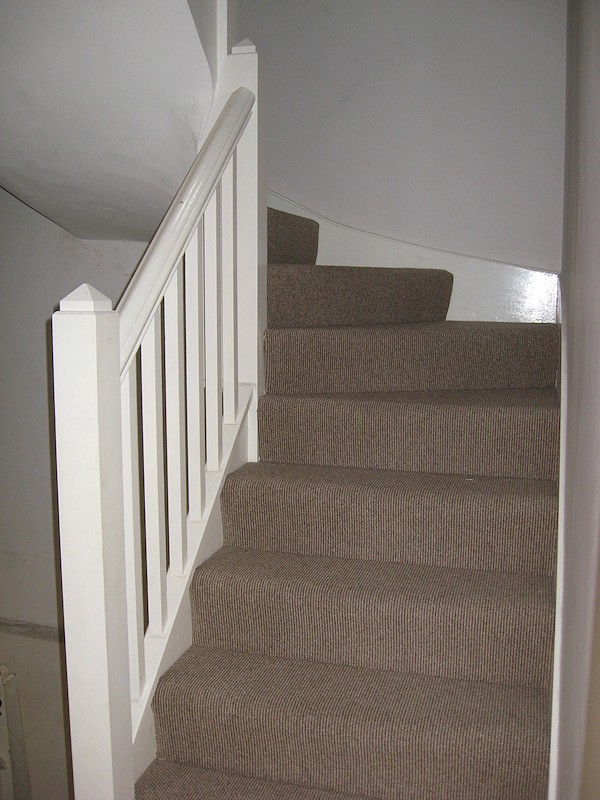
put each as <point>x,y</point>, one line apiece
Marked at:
<point>133,530</point>
<point>175,419</point>
<point>212,316</point>
<point>194,348</point>
<point>229,266</point>
<point>154,478</point>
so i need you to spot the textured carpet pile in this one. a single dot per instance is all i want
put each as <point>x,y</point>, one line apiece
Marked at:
<point>379,623</point>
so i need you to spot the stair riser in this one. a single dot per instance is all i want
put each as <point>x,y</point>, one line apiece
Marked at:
<point>307,296</point>
<point>473,751</point>
<point>509,441</point>
<point>454,637</point>
<point>466,356</point>
<point>458,527</point>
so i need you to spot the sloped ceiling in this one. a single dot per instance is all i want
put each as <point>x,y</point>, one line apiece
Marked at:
<point>102,104</point>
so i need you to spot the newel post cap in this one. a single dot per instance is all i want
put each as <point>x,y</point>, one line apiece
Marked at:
<point>245,46</point>
<point>86,298</point>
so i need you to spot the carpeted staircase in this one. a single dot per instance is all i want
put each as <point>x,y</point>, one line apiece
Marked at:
<point>379,622</point>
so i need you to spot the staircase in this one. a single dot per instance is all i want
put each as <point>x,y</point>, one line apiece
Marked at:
<point>379,623</point>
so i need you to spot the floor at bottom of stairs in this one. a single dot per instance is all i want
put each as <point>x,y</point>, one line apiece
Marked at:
<point>168,780</point>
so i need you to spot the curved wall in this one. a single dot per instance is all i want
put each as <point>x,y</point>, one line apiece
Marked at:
<point>103,105</point>
<point>437,123</point>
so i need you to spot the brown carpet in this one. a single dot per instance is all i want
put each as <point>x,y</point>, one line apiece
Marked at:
<point>291,239</point>
<point>383,615</point>
<point>168,779</point>
<point>379,623</point>
<point>300,296</point>
<point>505,433</point>
<point>459,521</point>
<point>374,733</point>
<point>442,355</point>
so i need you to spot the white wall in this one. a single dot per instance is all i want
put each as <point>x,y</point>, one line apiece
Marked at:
<point>205,14</point>
<point>437,123</point>
<point>103,105</point>
<point>577,764</point>
<point>39,264</point>
<point>217,25</point>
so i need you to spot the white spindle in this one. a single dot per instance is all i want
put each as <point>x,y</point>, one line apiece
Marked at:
<point>212,317</point>
<point>90,485</point>
<point>194,341</point>
<point>154,479</point>
<point>175,420</point>
<point>133,529</point>
<point>229,262</point>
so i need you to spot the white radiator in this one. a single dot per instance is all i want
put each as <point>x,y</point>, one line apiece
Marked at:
<point>14,770</point>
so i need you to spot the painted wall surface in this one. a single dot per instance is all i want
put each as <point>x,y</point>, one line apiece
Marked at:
<point>436,123</point>
<point>39,264</point>
<point>205,14</point>
<point>103,105</point>
<point>577,766</point>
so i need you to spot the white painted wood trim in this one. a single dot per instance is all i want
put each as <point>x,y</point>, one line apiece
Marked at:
<point>194,320</point>
<point>154,477</point>
<point>213,300</point>
<point>229,246</point>
<point>555,744</point>
<point>90,485</point>
<point>133,529</point>
<point>134,359</point>
<point>175,421</point>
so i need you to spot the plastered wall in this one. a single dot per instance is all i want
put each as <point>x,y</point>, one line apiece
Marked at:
<point>436,123</point>
<point>39,264</point>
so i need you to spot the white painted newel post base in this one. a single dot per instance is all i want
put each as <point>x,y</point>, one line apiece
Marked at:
<point>90,486</point>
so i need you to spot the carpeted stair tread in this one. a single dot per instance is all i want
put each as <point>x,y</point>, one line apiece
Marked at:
<point>169,780</point>
<point>349,729</point>
<point>305,296</point>
<point>506,524</point>
<point>383,615</point>
<point>504,432</point>
<point>291,239</point>
<point>442,355</point>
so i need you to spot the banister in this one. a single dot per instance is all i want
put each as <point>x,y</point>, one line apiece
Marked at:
<point>146,288</point>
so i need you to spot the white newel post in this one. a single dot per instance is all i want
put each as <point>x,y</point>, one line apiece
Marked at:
<point>90,491</point>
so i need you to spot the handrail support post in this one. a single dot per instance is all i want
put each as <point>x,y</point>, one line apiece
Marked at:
<point>89,468</point>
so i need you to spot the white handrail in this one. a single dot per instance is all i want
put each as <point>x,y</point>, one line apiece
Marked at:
<point>145,290</point>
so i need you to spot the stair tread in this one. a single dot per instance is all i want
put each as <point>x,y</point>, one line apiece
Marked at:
<point>377,614</point>
<point>426,356</point>
<point>169,779</point>
<point>353,729</point>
